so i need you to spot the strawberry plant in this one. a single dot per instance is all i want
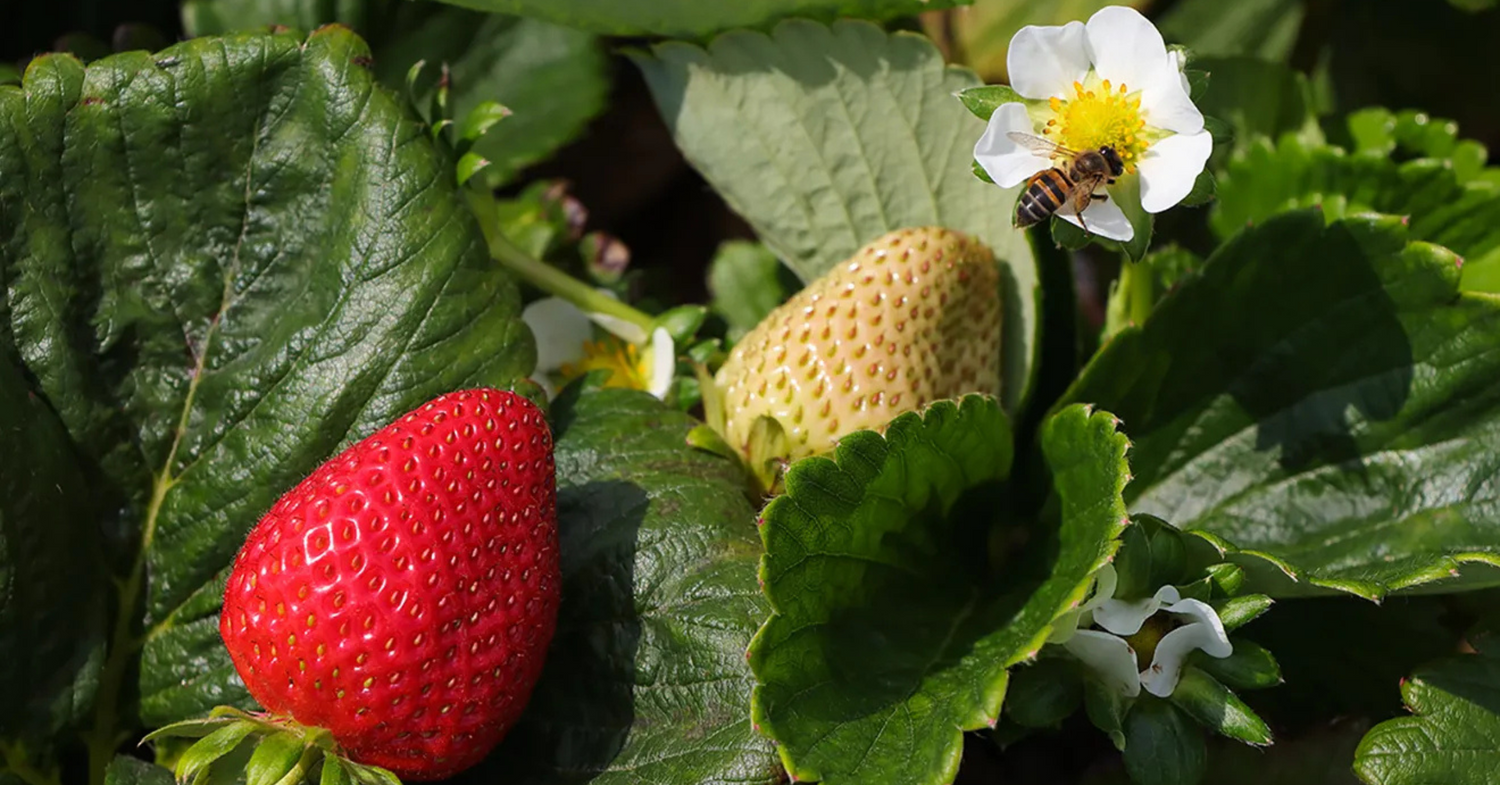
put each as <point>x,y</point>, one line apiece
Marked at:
<point>654,392</point>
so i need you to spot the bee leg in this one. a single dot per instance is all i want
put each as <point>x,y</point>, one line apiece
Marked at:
<point>1100,197</point>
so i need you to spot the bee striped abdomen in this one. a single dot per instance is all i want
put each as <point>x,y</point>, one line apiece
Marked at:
<point>1046,192</point>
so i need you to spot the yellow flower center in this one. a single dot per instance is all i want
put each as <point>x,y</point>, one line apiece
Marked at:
<point>1098,115</point>
<point>629,367</point>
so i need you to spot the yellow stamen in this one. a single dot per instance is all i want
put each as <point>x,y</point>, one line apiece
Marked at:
<point>629,367</point>
<point>1092,119</point>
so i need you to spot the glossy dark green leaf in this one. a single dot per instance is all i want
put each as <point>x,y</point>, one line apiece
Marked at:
<point>892,630</point>
<point>212,311</point>
<point>695,18</point>
<point>647,682</point>
<point>1453,735</point>
<point>1446,195</point>
<point>52,575</point>
<point>552,79</point>
<point>1287,398</point>
<point>825,138</point>
<point>747,282</point>
<point>1163,746</point>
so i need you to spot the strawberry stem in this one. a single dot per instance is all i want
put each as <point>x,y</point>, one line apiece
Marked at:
<point>1131,298</point>
<point>548,278</point>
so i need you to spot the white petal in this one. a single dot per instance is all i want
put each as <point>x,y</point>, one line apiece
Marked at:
<point>1123,617</point>
<point>1126,48</point>
<point>1045,61</point>
<point>1110,657</point>
<point>1170,167</point>
<point>663,362</point>
<point>1199,612</point>
<point>1175,58</point>
<point>1104,219</point>
<point>1006,162</point>
<point>1105,582</point>
<point>560,329</point>
<point>1165,103</point>
<point>622,328</point>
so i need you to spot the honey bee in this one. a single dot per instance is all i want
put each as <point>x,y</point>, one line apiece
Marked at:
<point>1072,187</point>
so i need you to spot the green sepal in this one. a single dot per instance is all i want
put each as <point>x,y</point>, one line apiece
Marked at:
<point>1250,667</point>
<point>1201,589</point>
<point>1206,700</point>
<point>983,101</point>
<point>479,120</point>
<point>210,748</point>
<point>188,729</point>
<point>1163,746</point>
<point>682,322</point>
<point>1168,554</point>
<point>767,452</point>
<point>1133,563</point>
<point>470,164</point>
<point>1227,578</point>
<point>707,439</point>
<point>1106,708</point>
<point>982,174</point>
<point>1205,188</point>
<point>333,773</point>
<point>709,352</point>
<point>1044,694</point>
<point>1236,612</point>
<point>274,758</point>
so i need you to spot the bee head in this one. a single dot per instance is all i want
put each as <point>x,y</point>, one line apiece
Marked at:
<point>1116,166</point>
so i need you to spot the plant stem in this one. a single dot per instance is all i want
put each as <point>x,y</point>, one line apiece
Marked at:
<point>548,278</point>
<point>1131,298</point>
<point>18,764</point>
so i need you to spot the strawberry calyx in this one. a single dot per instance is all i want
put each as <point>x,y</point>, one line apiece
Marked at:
<point>281,751</point>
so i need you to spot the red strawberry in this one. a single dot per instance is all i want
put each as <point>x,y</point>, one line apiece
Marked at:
<point>403,596</point>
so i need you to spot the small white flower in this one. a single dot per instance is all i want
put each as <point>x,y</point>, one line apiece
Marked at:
<point>1111,657</point>
<point>1109,82</point>
<point>566,349</point>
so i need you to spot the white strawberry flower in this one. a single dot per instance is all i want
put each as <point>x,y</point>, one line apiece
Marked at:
<point>1108,82</point>
<point>566,348</point>
<point>1113,659</point>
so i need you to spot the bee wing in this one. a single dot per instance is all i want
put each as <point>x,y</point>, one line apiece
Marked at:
<point>1037,144</point>
<point>1083,193</point>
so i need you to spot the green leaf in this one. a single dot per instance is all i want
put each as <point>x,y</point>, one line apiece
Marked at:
<point>825,138</point>
<point>52,576</point>
<point>1285,397</point>
<point>212,311</point>
<point>125,770</point>
<point>1449,198</point>
<point>553,79</point>
<point>892,631</point>
<point>647,682</point>
<point>1204,699</point>
<point>1163,746</point>
<point>1213,28</point>
<point>1453,736</point>
<point>746,282</point>
<point>695,18</point>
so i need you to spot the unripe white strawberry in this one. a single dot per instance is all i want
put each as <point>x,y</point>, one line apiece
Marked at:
<point>911,318</point>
